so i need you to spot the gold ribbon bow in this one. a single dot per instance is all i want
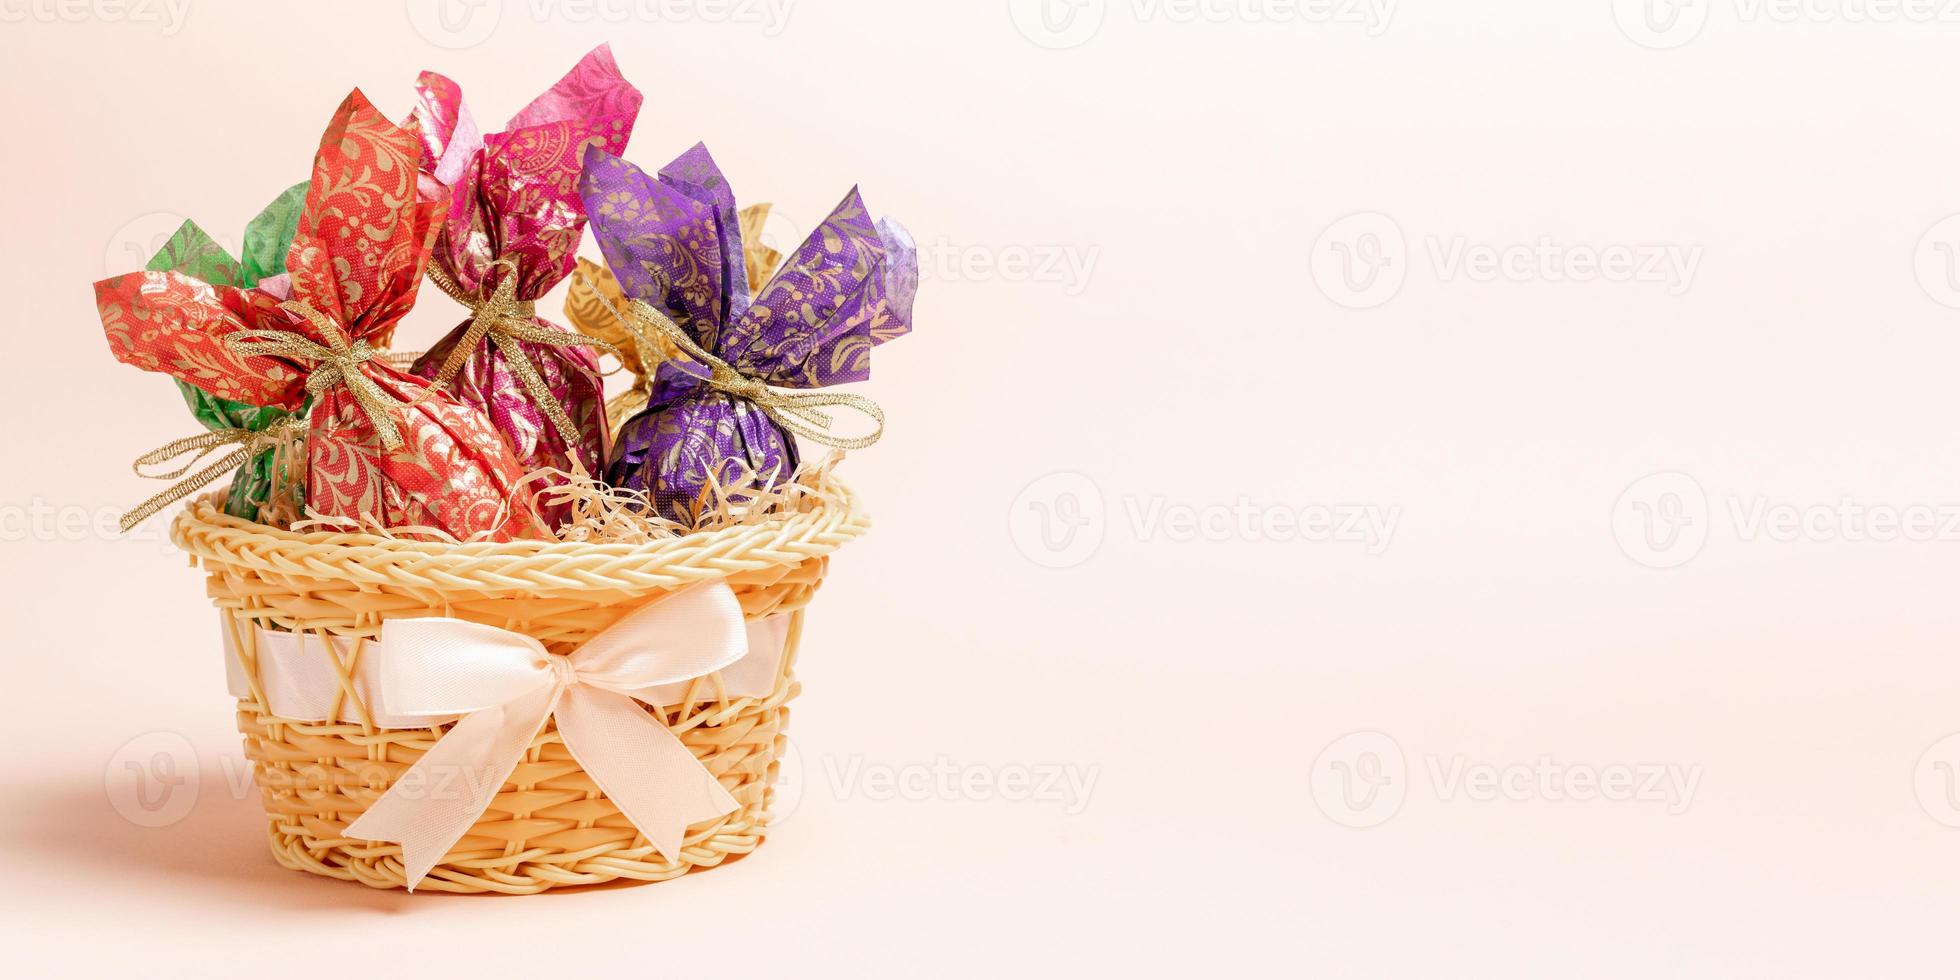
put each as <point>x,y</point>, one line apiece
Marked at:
<point>339,362</point>
<point>507,320</point>
<point>795,411</point>
<point>250,443</point>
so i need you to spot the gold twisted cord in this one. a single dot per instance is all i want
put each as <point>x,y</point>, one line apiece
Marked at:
<point>250,443</point>
<point>796,411</point>
<point>507,320</point>
<point>339,362</point>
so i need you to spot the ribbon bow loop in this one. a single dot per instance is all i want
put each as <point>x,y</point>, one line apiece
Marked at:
<point>506,685</point>
<point>454,667</point>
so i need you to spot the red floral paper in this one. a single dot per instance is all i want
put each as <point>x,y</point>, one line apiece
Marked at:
<point>364,235</point>
<point>175,324</point>
<point>452,471</point>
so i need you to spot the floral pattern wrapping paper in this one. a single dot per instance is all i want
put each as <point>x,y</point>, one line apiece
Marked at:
<point>364,232</point>
<point>674,240</point>
<point>194,253</point>
<point>516,198</point>
<point>594,304</point>
<point>593,307</point>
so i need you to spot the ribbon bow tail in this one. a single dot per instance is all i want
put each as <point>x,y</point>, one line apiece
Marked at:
<point>640,765</point>
<point>443,795</point>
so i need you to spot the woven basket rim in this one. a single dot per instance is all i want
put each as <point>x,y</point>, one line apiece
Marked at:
<point>523,566</point>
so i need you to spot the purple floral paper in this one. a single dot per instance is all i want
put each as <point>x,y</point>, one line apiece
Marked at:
<point>673,240</point>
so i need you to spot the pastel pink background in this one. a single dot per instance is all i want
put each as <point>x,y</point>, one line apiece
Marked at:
<point>1193,168</point>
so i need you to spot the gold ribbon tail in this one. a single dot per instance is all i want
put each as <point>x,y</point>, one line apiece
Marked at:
<point>797,412</point>
<point>249,442</point>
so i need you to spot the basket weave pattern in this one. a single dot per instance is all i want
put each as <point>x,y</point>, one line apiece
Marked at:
<point>550,825</point>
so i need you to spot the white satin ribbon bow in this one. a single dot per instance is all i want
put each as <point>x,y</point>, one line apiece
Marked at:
<point>506,685</point>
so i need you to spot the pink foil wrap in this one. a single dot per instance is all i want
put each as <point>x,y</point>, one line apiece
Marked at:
<point>516,199</point>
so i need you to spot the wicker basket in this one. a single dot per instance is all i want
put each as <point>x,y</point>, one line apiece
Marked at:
<point>550,826</point>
